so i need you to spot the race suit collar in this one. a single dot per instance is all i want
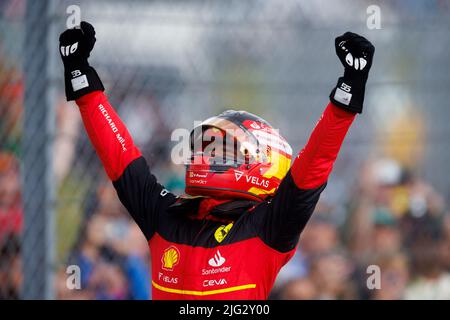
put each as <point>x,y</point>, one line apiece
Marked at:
<point>207,205</point>
<point>205,208</point>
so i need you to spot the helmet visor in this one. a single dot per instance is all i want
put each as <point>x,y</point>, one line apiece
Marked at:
<point>220,142</point>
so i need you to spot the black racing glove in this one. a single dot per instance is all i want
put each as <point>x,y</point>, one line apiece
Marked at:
<point>356,54</point>
<point>75,46</point>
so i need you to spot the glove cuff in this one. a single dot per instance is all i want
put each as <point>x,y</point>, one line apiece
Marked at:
<point>81,81</point>
<point>349,94</point>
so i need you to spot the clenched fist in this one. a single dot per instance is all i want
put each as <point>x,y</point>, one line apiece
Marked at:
<point>75,46</point>
<point>356,54</point>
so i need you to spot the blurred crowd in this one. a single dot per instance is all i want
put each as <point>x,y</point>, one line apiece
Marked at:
<point>11,218</point>
<point>394,222</point>
<point>110,251</point>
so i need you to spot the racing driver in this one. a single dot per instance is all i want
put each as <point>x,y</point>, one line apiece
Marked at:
<point>244,206</point>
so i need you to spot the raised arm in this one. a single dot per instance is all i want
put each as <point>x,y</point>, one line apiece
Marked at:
<point>283,219</point>
<point>314,163</point>
<point>137,188</point>
<point>107,133</point>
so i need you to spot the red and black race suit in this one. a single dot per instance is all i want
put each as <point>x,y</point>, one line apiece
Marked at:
<point>233,250</point>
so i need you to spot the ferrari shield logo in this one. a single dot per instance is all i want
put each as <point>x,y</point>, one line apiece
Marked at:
<point>222,232</point>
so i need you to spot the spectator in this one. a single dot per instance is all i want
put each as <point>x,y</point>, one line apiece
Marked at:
<point>331,273</point>
<point>112,254</point>
<point>10,197</point>
<point>430,278</point>
<point>394,277</point>
<point>299,289</point>
<point>386,238</point>
<point>10,267</point>
<point>320,235</point>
